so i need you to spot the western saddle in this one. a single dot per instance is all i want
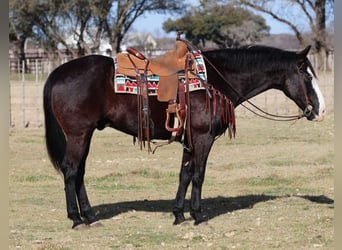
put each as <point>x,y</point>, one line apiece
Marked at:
<point>166,66</point>
<point>173,68</point>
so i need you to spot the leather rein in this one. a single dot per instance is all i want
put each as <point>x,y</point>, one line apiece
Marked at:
<point>263,114</point>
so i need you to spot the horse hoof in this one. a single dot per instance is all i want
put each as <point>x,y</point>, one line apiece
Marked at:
<point>201,221</point>
<point>178,221</point>
<point>96,224</point>
<point>80,227</point>
<point>179,218</point>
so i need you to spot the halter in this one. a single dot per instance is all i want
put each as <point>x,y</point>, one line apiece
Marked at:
<point>306,113</point>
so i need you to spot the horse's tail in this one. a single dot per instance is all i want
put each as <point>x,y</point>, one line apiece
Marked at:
<point>54,136</point>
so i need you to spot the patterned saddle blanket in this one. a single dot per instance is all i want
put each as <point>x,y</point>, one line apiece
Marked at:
<point>127,84</point>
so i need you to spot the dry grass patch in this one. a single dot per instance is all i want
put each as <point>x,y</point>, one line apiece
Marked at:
<point>271,187</point>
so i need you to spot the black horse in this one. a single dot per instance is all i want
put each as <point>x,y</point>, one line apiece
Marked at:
<point>79,98</point>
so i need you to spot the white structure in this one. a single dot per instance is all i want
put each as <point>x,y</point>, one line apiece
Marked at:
<point>140,40</point>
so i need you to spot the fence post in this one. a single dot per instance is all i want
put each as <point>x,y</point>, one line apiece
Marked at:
<point>23,97</point>
<point>332,63</point>
<point>266,101</point>
<point>18,68</point>
<point>37,95</point>
<point>324,75</point>
<point>287,105</point>
<point>275,103</point>
<point>49,67</point>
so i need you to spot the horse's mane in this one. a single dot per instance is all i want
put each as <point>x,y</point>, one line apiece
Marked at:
<point>253,58</point>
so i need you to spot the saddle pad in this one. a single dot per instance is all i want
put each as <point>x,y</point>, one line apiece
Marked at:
<point>128,85</point>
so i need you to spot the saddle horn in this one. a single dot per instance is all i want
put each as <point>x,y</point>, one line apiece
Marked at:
<point>136,53</point>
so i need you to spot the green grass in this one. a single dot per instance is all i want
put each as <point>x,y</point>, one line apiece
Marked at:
<point>279,186</point>
<point>281,191</point>
<point>140,239</point>
<point>273,180</point>
<point>53,247</point>
<point>139,179</point>
<point>119,186</point>
<point>34,178</point>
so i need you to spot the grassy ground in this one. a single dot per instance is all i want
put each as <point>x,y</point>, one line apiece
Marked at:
<point>272,187</point>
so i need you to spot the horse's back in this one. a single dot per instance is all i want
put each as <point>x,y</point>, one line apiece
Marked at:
<point>91,65</point>
<point>93,71</point>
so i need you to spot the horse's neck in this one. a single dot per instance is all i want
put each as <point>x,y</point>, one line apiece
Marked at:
<point>240,84</point>
<point>250,85</point>
<point>253,86</point>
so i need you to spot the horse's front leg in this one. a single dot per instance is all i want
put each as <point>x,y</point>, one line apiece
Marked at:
<point>185,177</point>
<point>199,160</point>
<point>192,170</point>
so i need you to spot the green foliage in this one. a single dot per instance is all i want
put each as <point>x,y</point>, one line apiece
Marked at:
<point>225,25</point>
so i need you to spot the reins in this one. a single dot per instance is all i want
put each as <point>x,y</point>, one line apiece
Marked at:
<point>267,115</point>
<point>264,114</point>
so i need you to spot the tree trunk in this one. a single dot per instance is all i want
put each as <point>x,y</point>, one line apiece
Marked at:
<point>116,43</point>
<point>320,45</point>
<point>320,25</point>
<point>22,55</point>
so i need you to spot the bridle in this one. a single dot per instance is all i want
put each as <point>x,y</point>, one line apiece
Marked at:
<point>308,109</point>
<point>306,113</point>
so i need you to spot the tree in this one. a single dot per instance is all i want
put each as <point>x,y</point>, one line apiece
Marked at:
<point>78,13</point>
<point>20,26</point>
<point>53,21</point>
<point>225,25</point>
<point>41,20</point>
<point>314,11</point>
<point>126,13</point>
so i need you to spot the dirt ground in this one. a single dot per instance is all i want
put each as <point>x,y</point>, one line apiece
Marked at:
<point>272,187</point>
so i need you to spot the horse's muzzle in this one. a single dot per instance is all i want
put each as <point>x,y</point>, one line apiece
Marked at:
<point>319,117</point>
<point>313,116</point>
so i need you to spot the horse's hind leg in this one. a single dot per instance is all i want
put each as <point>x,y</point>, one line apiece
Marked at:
<point>76,152</point>
<point>83,202</point>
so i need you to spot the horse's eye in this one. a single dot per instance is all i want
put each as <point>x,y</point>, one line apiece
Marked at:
<point>307,76</point>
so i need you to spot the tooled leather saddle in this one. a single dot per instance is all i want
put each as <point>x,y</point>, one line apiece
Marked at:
<point>166,66</point>
<point>172,69</point>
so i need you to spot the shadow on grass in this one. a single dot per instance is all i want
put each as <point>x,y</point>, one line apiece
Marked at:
<point>211,207</point>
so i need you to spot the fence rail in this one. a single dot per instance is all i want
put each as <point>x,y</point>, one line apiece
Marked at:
<point>26,96</point>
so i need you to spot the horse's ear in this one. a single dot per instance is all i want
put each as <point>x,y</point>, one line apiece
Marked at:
<point>304,52</point>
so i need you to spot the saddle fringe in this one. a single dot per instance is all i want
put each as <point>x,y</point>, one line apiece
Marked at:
<point>226,107</point>
<point>180,110</point>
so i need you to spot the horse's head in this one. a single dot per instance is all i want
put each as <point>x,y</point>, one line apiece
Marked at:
<point>303,89</point>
